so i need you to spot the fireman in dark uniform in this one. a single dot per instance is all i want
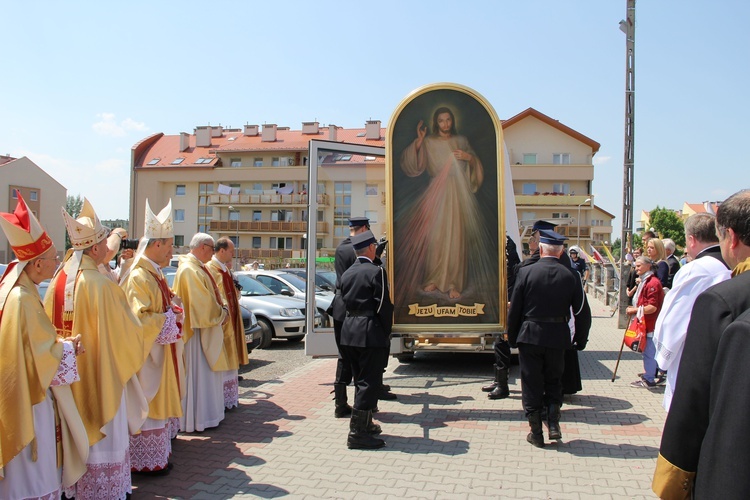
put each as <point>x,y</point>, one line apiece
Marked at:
<point>538,324</point>
<point>365,337</point>
<point>345,257</point>
<point>499,389</point>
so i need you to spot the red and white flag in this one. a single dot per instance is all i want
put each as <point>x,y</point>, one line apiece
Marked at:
<point>595,253</point>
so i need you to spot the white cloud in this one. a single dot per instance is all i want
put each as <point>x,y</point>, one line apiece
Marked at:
<point>112,166</point>
<point>108,125</point>
<point>601,160</point>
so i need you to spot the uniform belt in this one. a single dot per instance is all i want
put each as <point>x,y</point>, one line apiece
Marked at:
<point>360,313</point>
<point>547,319</point>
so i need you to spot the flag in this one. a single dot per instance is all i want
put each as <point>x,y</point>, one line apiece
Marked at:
<point>595,253</point>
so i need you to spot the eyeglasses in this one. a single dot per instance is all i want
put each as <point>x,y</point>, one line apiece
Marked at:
<point>209,246</point>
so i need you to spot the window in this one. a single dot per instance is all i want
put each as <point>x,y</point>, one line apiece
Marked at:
<point>154,161</point>
<point>179,190</point>
<point>529,158</point>
<point>257,216</point>
<point>371,189</point>
<point>281,216</point>
<point>234,215</point>
<point>201,161</point>
<point>342,209</point>
<point>258,162</point>
<point>275,161</point>
<point>235,240</point>
<point>235,162</point>
<point>560,215</point>
<point>177,161</point>
<point>561,159</point>
<point>562,188</point>
<point>179,215</point>
<point>179,240</point>
<point>13,194</point>
<point>528,215</point>
<point>205,211</point>
<point>372,215</point>
<point>321,188</point>
<point>257,186</point>
<point>370,158</point>
<point>256,241</point>
<point>321,216</point>
<point>529,188</point>
<point>34,195</point>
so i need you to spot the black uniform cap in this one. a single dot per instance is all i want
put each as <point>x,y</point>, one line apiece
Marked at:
<point>550,237</point>
<point>359,221</point>
<point>542,224</point>
<point>362,240</point>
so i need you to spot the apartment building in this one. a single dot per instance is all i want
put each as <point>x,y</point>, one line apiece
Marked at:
<point>553,175</point>
<point>250,184</point>
<point>43,194</point>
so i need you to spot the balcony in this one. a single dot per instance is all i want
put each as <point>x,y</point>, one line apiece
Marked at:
<point>572,231</point>
<point>289,200</point>
<point>552,199</point>
<point>230,227</point>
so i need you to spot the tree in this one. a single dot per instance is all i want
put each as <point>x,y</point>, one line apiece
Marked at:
<point>73,206</point>
<point>667,224</point>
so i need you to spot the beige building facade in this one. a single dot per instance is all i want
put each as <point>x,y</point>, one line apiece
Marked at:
<point>250,184</point>
<point>43,194</point>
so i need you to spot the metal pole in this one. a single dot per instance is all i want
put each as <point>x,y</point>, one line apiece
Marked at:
<point>628,27</point>
<point>578,219</point>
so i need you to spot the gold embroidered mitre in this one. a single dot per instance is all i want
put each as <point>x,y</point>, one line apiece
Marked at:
<point>26,237</point>
<point>158,226</point>
<point>86,230</point>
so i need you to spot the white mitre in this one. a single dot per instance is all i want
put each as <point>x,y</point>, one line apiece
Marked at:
<point>86,230</point>
<point>158,226</point>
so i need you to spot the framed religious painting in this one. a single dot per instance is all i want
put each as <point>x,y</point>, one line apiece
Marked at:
<point>445,184</point>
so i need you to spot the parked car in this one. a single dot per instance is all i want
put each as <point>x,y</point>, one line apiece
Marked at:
<point>330,277</point>
<point>253,329</point>
<point>2,268</point>
<point>279,316</point>
<point>292,285</point>
<point>320,281</point>
<point>42,287</point>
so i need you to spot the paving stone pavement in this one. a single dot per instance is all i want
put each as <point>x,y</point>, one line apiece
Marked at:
<point>445,439</point>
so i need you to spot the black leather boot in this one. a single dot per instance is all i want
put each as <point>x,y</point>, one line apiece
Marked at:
<point>359,438</point>
<point>553,421</point>
<point>373,429</point>
<point>342,409</point>
<point>491,387</point>
<point>536,436</point>
<point>501,391</point>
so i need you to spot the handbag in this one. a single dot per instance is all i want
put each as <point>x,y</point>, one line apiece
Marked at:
<point>635,335</point>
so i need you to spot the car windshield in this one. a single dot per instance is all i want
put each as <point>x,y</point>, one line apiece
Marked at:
<point>252,287</point>
<point>297,281</point>
<point>320,280</point>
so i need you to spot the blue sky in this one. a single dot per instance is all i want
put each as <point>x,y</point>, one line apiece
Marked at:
<point>84,81</point>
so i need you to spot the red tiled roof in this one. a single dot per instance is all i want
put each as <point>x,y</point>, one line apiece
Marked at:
<point>554,123</point>
<point>165,148</point>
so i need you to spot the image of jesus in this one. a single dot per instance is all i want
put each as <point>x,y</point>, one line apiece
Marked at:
<point>445,217</point>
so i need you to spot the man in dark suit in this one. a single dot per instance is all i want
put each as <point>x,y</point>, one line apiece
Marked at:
<point>538,323</point>
<point>688,449</point>
<point>672,262</point>
<point>365,337</point>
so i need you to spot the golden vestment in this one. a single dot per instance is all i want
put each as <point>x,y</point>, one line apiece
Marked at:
<point>234,332</point>
<point>203,310</point>
<point>113,339</point>
<point>162,374</point>
<point>29,360</point>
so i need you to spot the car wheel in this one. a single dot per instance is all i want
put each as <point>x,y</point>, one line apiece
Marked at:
<point>266,333</point>
<point>296,338</point>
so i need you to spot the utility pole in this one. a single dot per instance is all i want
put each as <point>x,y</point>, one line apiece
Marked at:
<point>626,239</point>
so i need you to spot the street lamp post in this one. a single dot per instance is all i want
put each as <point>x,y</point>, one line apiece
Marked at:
<point>579,220</point>
<point>237,239</point>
